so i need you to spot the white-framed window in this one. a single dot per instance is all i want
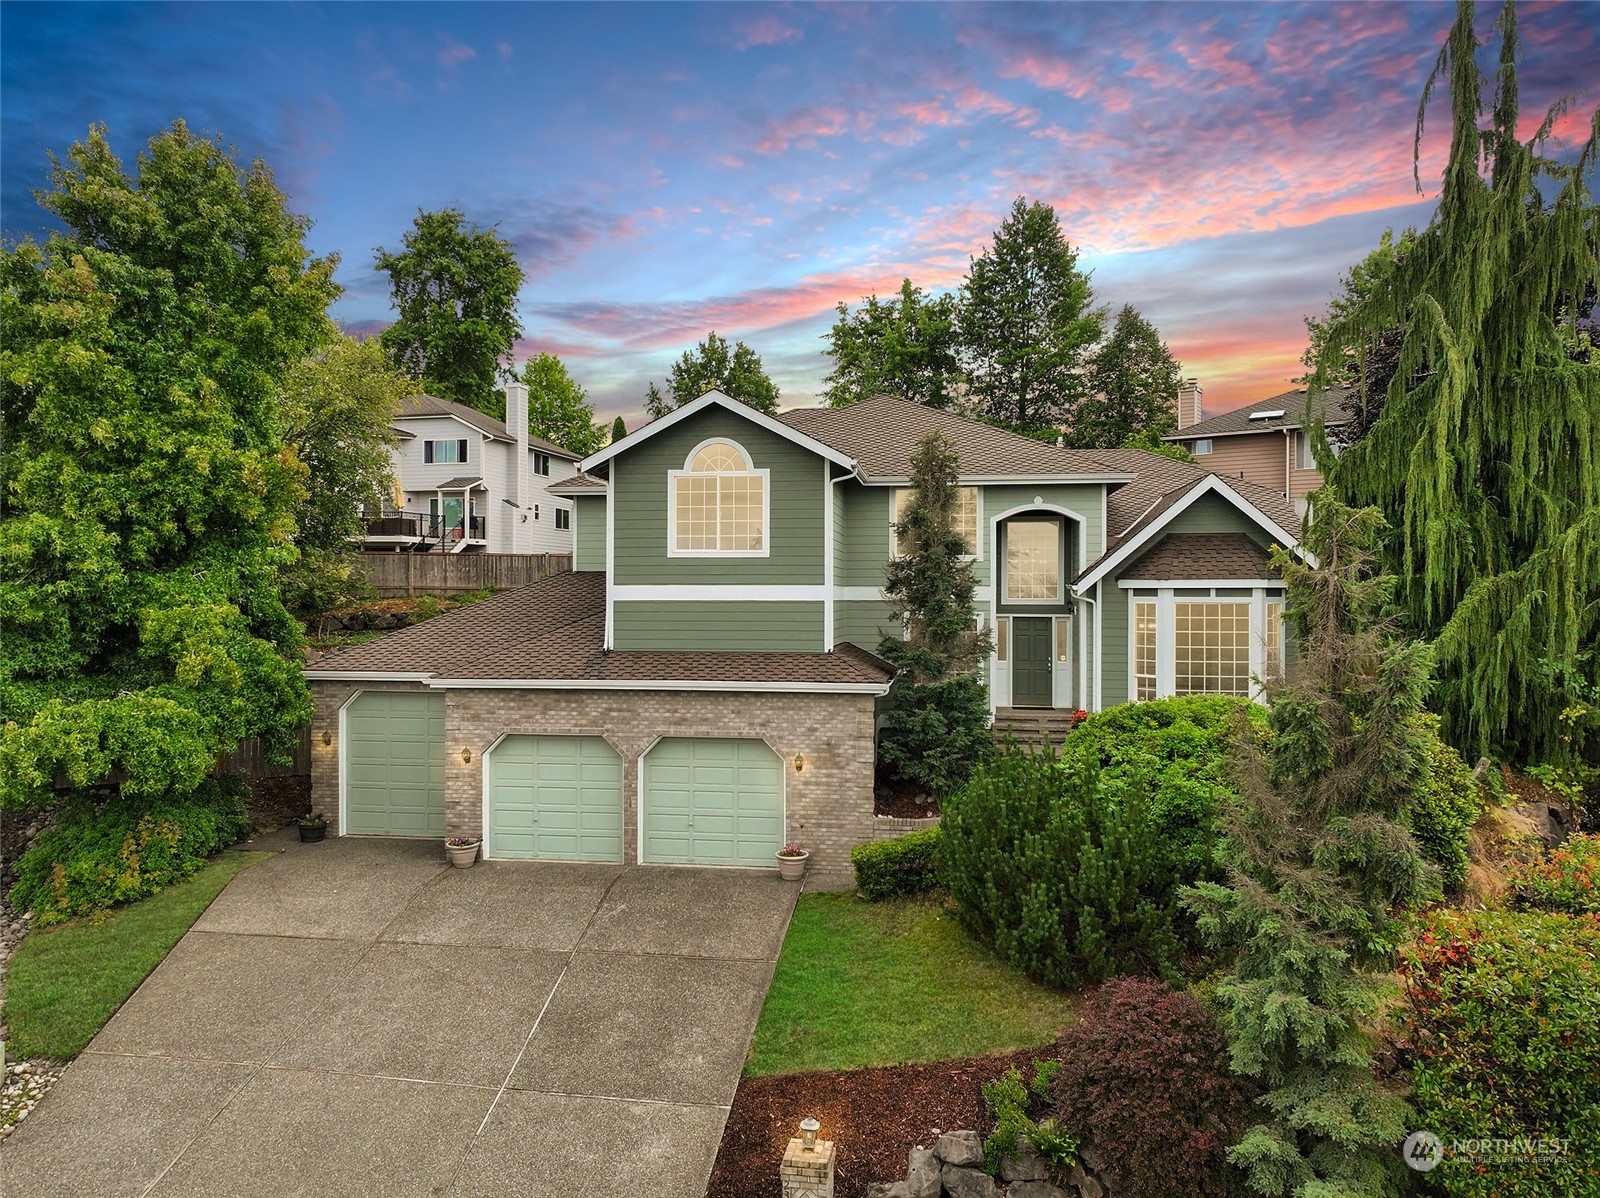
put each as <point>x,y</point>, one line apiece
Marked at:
<point>1144,649</point>
<point>1002,636</point>
<point>1272,665</point>
<point>1033,561</point>
<point>563,518</point>
<point>444,451</point>
<point>541,463</point>
<point>965,517</point>
<point>718,504</point>
<point>536,511</point>
<point>1307,459</point>
<point>1211,647</point>
<point>1202,447</point>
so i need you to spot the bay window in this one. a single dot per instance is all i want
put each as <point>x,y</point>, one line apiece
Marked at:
<point>1203,641</point>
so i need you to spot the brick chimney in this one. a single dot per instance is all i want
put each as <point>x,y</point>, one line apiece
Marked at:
<point>1190,410</point>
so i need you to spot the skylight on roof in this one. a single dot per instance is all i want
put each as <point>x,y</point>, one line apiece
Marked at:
<point>1272,415</point>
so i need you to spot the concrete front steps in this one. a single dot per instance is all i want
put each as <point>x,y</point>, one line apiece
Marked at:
<point>1032,726</point>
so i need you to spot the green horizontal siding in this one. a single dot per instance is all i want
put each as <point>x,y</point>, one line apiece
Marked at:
<point>639,488</point>
<point>1114,677</point>
<point>863,623</point>
<point>589,535</point>
<point>865,521</point>
<point>735,626</point>
<point>1214,514</point>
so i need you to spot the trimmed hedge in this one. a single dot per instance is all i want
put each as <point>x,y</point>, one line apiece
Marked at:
<point>1064,872</point>
<point>1503,1028</point>
<point>896,868</point>
<point>99,856</point>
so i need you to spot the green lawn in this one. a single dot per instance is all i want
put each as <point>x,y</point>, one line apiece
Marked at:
<point>66,982</point>
<point>885,983</point>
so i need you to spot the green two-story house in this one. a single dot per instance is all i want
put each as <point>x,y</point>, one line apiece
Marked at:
<point>702,688</point>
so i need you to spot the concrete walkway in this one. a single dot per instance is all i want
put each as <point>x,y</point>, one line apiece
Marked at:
<point>355,1018</point>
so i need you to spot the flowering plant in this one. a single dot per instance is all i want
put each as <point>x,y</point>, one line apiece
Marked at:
<point>792,850</point>
<point>461,842</point>
<point>312,820</point>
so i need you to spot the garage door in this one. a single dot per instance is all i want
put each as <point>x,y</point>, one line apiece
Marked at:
<point>394,764</point>
<point>712,802</point>
<point>555,796</point>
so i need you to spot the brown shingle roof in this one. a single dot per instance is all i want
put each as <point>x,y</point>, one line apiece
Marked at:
<point>467,482</point>
<point>554,630</point>
<point>1180,556</point>
<point>578,484</point>
<point>1333,404</point>
<point>414,406</point>
<point>882,433</point>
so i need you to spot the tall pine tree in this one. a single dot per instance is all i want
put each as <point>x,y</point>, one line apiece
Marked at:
<point>1133,388</point>
<point>1486,456</point>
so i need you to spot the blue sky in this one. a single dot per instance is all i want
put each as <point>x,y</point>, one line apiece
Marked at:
<point>668,169</point>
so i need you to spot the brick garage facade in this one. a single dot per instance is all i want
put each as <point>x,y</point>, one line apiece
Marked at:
<point>828,803</point>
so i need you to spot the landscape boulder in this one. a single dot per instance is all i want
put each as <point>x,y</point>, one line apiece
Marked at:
<point>961,1181</point>
<point>1035,1189</point>
<point>922,1174</point>
<point>960,1148</point>
<point>1027,1165</point>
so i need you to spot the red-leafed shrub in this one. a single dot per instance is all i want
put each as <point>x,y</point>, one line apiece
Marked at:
<point>1144,1074</point>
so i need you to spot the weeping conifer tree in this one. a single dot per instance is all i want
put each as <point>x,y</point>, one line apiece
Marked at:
<point>1485,455</point>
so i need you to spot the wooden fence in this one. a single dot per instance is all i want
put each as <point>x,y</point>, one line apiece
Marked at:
<point>402,575</point>
<point>250,759</point>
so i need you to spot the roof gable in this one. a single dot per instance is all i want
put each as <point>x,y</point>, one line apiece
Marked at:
<point>415,407</point>
<point>713,399</point>
<point>1334,405</point>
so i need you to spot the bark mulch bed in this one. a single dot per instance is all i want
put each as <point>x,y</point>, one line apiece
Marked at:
<point>873,1116</point>
<point>903,800</point>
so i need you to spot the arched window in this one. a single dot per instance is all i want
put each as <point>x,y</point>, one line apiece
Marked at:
<point>718,504</point>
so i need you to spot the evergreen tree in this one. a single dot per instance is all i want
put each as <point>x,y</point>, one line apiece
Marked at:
<point>906,347</point>
<point>336,409</point>
<point>455,286</point>
<point>1028,325</point>
<point>1485,458</point>
<point>1318,869</point>
<point>619,429</point>
<point>936,727</point>
<point>149,498</point>
<point>558,408</point>
<point>1133,388</point>
<point>713,365</point>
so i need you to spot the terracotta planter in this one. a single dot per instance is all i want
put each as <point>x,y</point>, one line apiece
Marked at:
<point>792,869</point>
<point>463,855</point>
<point>312,835</point>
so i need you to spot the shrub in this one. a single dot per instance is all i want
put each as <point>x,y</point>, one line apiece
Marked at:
<point>1008,1102</point>
<point>1062,871</point>
<point>1144,1074</point>
<point>1447,804</point>
<point>1181,750</point>
<point>935,733</point>
<point>898,867</point>
<point>97,856</point>
<point>1503,1027</point>
<point>1567,880</point>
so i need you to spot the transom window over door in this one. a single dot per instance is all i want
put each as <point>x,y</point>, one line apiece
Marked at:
<point>718,504</point>
<point>1033,561</point>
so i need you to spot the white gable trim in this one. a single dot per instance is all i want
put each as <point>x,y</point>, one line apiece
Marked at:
<point>1210,484</point>
<point>482,432</point>
<point>717,398</point>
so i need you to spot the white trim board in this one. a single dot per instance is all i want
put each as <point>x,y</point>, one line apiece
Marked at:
<point>717,398</point>
<point>658,684</point>
<point>1151,584</point>
<point>719,593</point>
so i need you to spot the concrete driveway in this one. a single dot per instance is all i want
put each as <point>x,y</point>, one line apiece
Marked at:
<point>355,1018</point>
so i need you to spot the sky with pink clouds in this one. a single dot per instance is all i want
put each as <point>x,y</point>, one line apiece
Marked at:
<point>664,170</point>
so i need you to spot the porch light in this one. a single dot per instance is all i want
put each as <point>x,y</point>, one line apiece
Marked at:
<point>327,738</point>
<point>799,762</point>
<point>466,756</point>
<point>808,1133</point>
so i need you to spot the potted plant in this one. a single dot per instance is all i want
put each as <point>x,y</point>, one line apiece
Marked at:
<point>792,862</point>
<point>463,850</point>
<point>313,827</point>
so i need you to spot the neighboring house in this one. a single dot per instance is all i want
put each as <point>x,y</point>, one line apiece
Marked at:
<point>1265,442</point>
<point>702,688</point>
<point>466,482</point>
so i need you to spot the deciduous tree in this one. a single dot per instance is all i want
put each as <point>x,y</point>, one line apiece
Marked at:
<point>1485,457</point>
<point>1028,325</point>
<point>905,346</point>
<point>455,287</point>
<point>558,408</point>
<point>1133,388</point>
<point>149,498</point>
<point>714,365</point>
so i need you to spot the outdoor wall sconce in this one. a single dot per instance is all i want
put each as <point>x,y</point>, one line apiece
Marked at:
<point>808,1133</point>
<point>799,762</point>
<point>466,756</point>
<point>327,739</point>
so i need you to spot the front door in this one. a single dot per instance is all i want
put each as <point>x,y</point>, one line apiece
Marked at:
<point>1030,661</point>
